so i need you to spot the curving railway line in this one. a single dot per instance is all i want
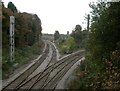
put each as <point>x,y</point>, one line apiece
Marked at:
<point>50,76</point>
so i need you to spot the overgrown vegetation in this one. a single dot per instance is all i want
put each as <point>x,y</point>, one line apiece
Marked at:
<point>22,56</point>
<point>68,46</point>
<point>27,37</point>
<point>101,68</point>
<point>80,37</point>
<point>72,42</point>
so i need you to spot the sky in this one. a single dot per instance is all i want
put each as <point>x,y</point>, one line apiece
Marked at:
<point>61,15</point>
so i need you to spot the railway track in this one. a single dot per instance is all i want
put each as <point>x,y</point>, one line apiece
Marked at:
<point>43,80</point>
<point>62,69</point>
<point>50,76</point>
<point>29,83</point>
<point>22,77</point>
<point>45,76</point>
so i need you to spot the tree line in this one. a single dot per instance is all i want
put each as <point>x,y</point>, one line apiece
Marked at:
<point>27,35</point>
<point>27,26</point>
<point>101,66</point>
<point>71,42</point>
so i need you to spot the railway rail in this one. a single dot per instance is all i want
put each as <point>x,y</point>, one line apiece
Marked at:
<point>51,83</point>
<point>39,81</point>
<point>23,76</point>
<point>27,84</point>
<point>50,76</point>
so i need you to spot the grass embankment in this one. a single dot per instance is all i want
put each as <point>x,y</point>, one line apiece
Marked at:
<point>22,56</point>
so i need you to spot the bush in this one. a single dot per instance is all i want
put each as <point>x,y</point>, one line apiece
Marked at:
<point>68,46</point>
<point>22,56</point>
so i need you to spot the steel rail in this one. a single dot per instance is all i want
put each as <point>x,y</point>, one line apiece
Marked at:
<point>22,77</point>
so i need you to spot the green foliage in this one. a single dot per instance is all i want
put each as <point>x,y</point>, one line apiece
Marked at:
<point>79,36</point>
<point>105,30</point>
<point>27,28</point>
<point>22,56</point>
<point>71,43</point>
<point>102,63</point>
<point>64,48</point>
<point>12,7</point>
<point>76,40</point>
<point>68,46</point>
<point>27,33</point>
<point>103,40</point>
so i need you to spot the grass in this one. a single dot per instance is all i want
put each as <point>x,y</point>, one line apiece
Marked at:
<point>22,56</point>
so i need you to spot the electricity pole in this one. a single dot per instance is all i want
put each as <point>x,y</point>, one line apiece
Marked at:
<point>88,22</point>
<point>12,19</point>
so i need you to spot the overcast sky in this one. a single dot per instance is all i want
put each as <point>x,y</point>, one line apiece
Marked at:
<point>61,15</point>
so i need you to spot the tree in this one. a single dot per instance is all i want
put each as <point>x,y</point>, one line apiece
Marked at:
<point>12,7</point>
<point>78,28</point>
<point>102,62</point>
<point>68,46</point>
<point>102,45</point>
<point>27,27</point>
<point>77,35</point>
<point>27,35</point>
<point>71,43</point>
<point>105,27</point>
<point>56,35</point>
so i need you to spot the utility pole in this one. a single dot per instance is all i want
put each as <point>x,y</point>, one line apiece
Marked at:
<point>88,22</point>
<point>67,37</point>
<point>67,41</point>
<point>12,20</point>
